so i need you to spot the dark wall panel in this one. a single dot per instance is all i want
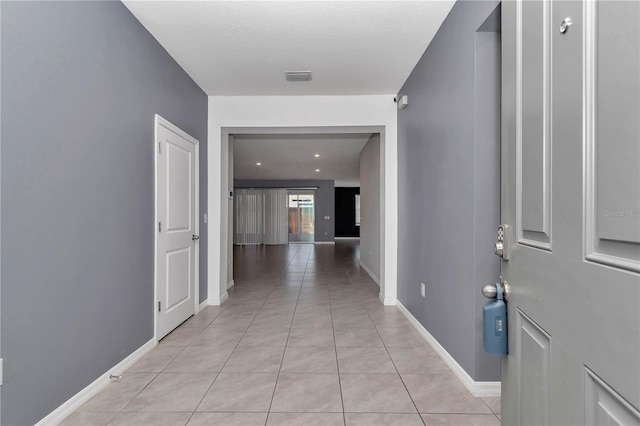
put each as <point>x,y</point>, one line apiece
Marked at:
<point>346,212</point>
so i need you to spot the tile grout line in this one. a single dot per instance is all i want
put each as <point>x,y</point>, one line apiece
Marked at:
<point>275,386</point>
<point>397,371</point>
<point>229,357</point>
<point>335,349</point>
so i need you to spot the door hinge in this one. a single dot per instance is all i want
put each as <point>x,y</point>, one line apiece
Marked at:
<point>159,306</point>
<point>159,226</point>
<point>1,371</point>
<point>159,147</point>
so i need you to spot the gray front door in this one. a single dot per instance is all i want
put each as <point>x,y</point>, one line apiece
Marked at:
<point>571,193</point>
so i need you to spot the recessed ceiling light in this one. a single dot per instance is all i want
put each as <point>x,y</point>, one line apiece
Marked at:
<point>258,164</point>
<point>317,170</point>
<point>316,155</point>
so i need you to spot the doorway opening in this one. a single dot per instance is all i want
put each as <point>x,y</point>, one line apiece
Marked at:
<point>301,217</point>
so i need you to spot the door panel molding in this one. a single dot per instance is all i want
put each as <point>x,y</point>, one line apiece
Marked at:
<point>534,347</point>
<point>603,405</point>
<point>533,135</point>
<point>612,218</point>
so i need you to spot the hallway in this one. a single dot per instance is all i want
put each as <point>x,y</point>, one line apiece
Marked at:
<point>302,340</point>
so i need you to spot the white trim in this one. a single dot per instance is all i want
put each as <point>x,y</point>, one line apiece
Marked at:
<point>204,304</point>
<point>346,238</point>
<point>373,276</point>
<point>160,121</point>
<point>324,242</point>
<point>476,388</point>
<point>76,401</point>
<point>217,301</point>
<point>231,284</point>
<point>233,115</point>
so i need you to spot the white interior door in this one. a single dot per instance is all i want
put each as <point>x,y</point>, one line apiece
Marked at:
<point>571,193</point>
<point>177,227</point>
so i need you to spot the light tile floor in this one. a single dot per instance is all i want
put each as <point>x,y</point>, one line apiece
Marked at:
<point>302,340</point>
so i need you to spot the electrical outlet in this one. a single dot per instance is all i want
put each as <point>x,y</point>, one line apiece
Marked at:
<point>422,290</point>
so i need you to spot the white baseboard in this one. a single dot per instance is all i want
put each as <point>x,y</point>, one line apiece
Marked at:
<point>368,271</point>
<point>215,301</point>
<point>476,388</point>
<point>230,284</point>
<point>324,242</point>
<point>204,304</point>
<point>76,401</point>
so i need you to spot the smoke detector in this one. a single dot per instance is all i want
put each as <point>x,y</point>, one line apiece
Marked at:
<point>298,75</point>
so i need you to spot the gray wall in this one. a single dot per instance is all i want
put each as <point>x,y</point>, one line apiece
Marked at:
<point>370,205</point>
<point>449,199</point>
<point>325,201</point>
<point>81,82</point>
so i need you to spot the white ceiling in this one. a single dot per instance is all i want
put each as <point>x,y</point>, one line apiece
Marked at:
<point>292,157</point>
<point>244,47</point>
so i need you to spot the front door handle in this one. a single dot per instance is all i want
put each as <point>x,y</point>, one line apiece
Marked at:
<point>501,248</point>
<point>490,291</point>
<point>195,237</point>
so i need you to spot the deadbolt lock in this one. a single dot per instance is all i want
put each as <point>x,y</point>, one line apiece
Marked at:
<point>501,248</point>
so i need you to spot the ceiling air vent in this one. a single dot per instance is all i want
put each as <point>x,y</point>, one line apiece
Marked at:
<point>298,75</point>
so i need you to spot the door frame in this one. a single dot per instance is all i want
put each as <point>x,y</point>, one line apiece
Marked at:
<point>160,121</point>
<point>219,219</point>
<point>303,192</point>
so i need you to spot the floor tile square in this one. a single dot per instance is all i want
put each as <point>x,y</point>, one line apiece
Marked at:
<point>402,337</point>
<point>494,403</point>
<point>307,393</point>
<point>359,321</point>
<point>303,336</point>
<point>180,337</point>
<point>461,419</point>
<point>442,393</point>
<point>249,359</point>
<point>84,418</point>
<point>172,392</point>
<point>418,359</point>
<point>375,393</point>
<point>382,419</point>
<point>119,393</point>
<point>364,360</point>
<point>240,393</point>
<point>309,360</point>
<point>306,419</point>
<point>203,318</point>
<point>228,419</point>
<point>200,359</point>
<point>141,418</point>
<point>357,337</point>
<point>156,359</point>
<point>218,337</point>
<point>265,336</point>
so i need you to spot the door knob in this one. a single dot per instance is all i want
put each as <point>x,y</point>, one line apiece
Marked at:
<point>195,237</point>
<point>490,291</point>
